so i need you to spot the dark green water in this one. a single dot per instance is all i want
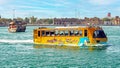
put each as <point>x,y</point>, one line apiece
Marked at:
<point>17,50</point>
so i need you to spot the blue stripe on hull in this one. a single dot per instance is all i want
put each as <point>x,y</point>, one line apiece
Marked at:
<point>82,41</point>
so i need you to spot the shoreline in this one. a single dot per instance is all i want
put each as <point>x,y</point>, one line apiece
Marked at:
<point>57,25</point>
<point>63,25</point>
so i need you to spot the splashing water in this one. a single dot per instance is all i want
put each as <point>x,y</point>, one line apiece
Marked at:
<point>15,41</point>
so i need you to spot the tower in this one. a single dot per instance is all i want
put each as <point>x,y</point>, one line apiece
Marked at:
<point>109,15</point>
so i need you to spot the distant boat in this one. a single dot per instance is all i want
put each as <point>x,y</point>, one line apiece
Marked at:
<point>2,24</point>
<point>17,26</point>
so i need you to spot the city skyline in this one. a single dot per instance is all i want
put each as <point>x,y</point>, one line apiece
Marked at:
<point>61,8</point>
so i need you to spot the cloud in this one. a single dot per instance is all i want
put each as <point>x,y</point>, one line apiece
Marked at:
<point>102,2</point>
<point>57,8</point>
<point>117,9</point>
<point>55,3</point>
<point>2,2</point>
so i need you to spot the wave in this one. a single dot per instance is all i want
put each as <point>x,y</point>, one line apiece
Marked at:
<point>114,36</point>
<point>113,49</point>
<point>15,41</point>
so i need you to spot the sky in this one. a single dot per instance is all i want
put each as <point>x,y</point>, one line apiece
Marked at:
<point>59,8</point>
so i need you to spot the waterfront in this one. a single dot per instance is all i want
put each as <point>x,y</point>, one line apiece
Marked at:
<point>17,50</point>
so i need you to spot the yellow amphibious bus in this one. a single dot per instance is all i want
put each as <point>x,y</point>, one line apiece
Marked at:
<point>86,36</point>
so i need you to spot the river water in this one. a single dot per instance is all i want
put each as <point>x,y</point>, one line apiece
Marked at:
<point>18,50</point>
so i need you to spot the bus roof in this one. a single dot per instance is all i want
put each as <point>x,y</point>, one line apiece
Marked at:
<point>68,27</point>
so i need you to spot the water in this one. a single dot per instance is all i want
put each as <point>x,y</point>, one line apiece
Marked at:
<point>17,50</point>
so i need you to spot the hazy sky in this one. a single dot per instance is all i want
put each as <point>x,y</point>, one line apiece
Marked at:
<point>59,8</point>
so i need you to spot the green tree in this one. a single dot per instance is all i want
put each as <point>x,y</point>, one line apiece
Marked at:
<point>47,21</point>
<point>26,20</point>
<point>106,19</point>
<point>19,19</point>
<point>33,20</point>
<point>50,21</point>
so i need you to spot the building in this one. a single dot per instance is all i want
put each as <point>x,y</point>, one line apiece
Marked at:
<point>76,21</point>
<point>116,20</point>
<point>66,21</point>
<point>94,21</point>
<point>108,20</point>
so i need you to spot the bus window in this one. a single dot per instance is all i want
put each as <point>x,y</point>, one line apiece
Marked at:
<point>47,33</point>
<point>76,32</point>
<point>38,33</point>
<point>52,33</point>
<point>71,32</point>
<point>56,32</point>
<point>85,33</point>
<point>43,33</point>
<point>99,34</point>
<point>61,33</point>
<point>66,33</point>
<point>80,32</point>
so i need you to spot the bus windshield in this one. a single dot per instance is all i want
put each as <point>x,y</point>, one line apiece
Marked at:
<point>99,34</point>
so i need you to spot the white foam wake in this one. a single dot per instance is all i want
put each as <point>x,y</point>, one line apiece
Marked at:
<point>15,41</point>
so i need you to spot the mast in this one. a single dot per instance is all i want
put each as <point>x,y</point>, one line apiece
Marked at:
<point>13,14</point>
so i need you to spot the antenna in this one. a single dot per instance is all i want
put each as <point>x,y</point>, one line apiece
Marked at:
<point>75,13</point>
<point>13,14</point>
<point>78,14</point>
